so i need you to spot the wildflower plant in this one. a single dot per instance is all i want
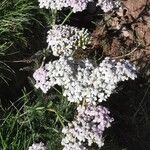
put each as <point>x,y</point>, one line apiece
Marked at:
<point>82,82</point>
<point>85,83</point>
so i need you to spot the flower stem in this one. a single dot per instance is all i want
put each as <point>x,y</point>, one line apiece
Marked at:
<point>54,16</point>
<point>67,17</point>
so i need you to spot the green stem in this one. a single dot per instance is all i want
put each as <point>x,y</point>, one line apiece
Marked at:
<point>54,16</point>
<point>84,102</point>
<point>67,17</point>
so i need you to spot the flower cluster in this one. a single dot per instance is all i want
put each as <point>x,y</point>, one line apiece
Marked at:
<point>107,5</point>
<point>63,39</point>
<point>81,80</point>
<point>87,128</point>
<point>57,72</point>
<point>76,5</point>
<point>37,146</point>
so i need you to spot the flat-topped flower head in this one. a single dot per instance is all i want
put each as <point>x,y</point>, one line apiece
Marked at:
<point>64,39</point>
<point>75,5</point>
<point>87,128</point>
<point>82,80</point>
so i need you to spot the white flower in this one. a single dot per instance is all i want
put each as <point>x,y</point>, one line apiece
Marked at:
<point>37,146</point>
<point>76,5</point>
<point>64,39</point>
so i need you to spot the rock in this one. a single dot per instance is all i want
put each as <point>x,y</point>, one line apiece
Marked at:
<point>135,7</point>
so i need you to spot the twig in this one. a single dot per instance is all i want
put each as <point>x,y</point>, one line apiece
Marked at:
<point>128,54</point>
<point>140,105</point>
<point>67,17</point>
<point>28,61</point>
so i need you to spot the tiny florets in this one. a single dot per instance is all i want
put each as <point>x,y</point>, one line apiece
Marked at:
<point>64,39</point>
<point>87,128</point>
<point>40,75</point>
<point>108,5</point>
<point>76,5</point>
<point>37,146</point>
